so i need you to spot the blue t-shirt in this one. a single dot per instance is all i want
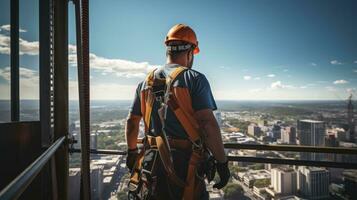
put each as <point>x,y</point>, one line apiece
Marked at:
<point>201,96</point>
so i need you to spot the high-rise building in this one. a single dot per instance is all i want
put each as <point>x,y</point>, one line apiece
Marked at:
<point>74,180</point>
<point>350,121</point>
<point>350,182</point>
<point>96,176</point>
<point>331,141</point>
<point>254,130</point>
<point>311,133</point>
<point>276,132</point>
<point>313,182</point>
<point>284,180</point>
<point>288,135</point>
<point>93,140</point>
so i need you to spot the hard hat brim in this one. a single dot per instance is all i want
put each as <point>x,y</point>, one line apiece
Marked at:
<point>196,50</point>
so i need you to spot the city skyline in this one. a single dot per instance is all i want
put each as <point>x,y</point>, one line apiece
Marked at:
<point>249,50</point>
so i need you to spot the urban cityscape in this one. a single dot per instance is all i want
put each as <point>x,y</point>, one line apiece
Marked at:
<point>309,123</point>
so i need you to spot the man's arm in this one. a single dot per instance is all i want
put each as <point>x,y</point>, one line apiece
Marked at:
<point>212,133</point>
<point>132,130</point>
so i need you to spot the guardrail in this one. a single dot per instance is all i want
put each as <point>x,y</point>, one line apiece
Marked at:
<point>292,148</point>
<point>23,180</point>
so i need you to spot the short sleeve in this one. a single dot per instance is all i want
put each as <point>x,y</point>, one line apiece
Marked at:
<point>135,108</point>
<point>201,94</point>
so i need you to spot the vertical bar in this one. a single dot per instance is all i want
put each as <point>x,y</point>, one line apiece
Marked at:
<point>14,62</point>
<point>82,28</point>
<point>45,109</point>
<point>48,178</point>
<point>61,92</point>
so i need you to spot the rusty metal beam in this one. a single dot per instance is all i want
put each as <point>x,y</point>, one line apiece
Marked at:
<point>61,93</point>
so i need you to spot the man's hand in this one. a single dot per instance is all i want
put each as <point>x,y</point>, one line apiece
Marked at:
<point>224,174</point>
<point>131,158</point>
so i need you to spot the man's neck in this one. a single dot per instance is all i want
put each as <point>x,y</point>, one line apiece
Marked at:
<point>181,63</point>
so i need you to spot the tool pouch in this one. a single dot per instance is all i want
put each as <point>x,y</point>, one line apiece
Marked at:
<point>145,186</point>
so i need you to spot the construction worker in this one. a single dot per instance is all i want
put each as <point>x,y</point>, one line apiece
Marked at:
<point>182,144</point>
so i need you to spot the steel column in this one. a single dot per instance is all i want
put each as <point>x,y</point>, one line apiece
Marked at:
<point>82,33</point>
<point>61,92</point>
<point>14,60</point>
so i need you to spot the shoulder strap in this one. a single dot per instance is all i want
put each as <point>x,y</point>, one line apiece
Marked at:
<point>184,116</point>
<point>147,100</point>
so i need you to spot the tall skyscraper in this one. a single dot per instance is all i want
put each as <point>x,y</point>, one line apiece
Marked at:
<point>254,130</point>
<point>284,180</point>
<point>350,182</point>
<point>350,121</point>
<point>311,133</point>
<point>313,182</point>
<point>276,132</point>
<point>288,135</point>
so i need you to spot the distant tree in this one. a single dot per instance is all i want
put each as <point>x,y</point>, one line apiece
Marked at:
<point>257,166</point>
<point>232,191</point>
<point>262,183</point>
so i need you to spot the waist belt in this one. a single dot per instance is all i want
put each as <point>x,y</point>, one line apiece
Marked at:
<point>181,144</point>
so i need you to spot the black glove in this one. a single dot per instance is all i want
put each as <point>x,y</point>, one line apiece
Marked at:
<point>131,158</point>
<point>224,174</point>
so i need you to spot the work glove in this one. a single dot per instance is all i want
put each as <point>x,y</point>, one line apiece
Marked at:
<point>224,174</point>
<point>131,158</point>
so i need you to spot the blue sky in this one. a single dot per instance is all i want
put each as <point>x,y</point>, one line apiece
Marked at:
<point>249,49</point>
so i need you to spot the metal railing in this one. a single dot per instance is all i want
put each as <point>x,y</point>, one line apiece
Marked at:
<point>20,183</point>
<point>23,180</point>
<point>261,147</point>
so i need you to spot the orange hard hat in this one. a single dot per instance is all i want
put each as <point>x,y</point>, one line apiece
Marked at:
<point>181,32</point>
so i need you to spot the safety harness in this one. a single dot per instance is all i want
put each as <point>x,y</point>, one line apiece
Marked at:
<point>179,101</point>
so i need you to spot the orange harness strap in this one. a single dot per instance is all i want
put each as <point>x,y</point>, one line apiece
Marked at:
<point>184,113</point>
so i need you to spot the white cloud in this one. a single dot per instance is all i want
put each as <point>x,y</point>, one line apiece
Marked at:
<point>104,91</point>
<point>7,27</point>
<point>119,67</point>
<point>29,83</point>
<point>271,75</point>
<point>331,89</point>
<point>355,71</point>
<point>276,85</point>
<point>224,67</point>
<point>336,82</point>
<point>285,70</point>
<point>26,47</point>
<point>280,85</point>
<point>336,62</point>
<point>247,78</point>
<point>257,78</point>
<point>257,90</point>
<point>355,62</point>
<point>313,64</point>
<point>29,87</point>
